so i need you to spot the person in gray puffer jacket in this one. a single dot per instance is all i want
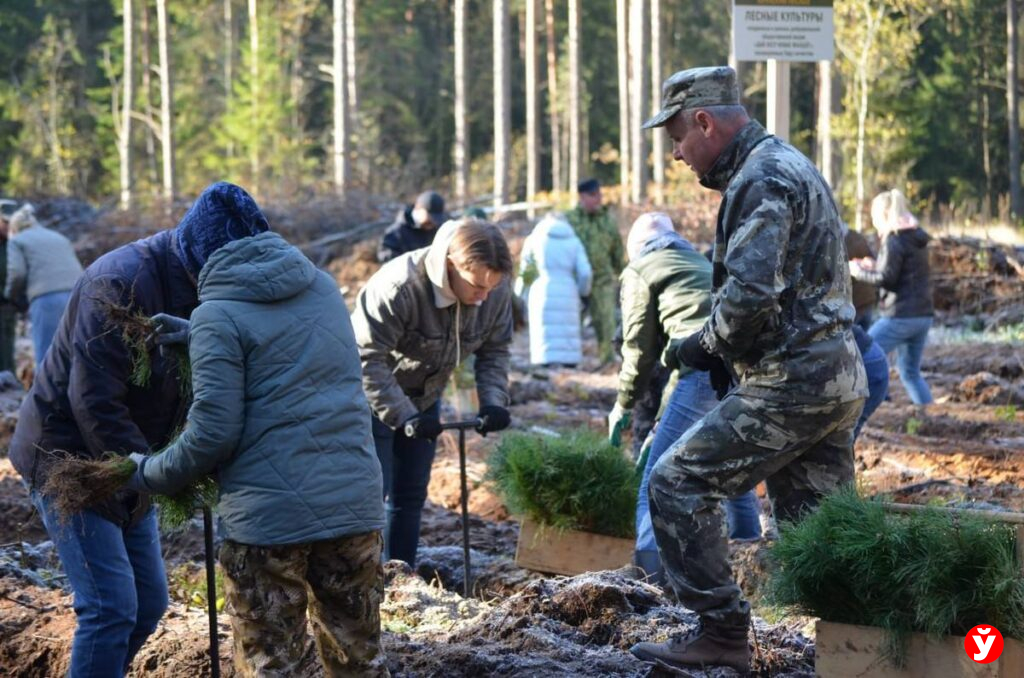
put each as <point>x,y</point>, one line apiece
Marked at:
<point>415,320</point>
<point>279,418</point>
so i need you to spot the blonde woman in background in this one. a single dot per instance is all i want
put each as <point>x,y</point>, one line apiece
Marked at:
<point>902,273</point>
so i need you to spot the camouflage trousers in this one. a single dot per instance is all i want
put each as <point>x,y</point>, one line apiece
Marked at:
<point>269,590</point>
<point>603,301</point>
<point>802,452</point>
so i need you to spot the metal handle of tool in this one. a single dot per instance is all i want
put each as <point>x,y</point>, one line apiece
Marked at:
<point>211,592</point>
<point>461,427</point>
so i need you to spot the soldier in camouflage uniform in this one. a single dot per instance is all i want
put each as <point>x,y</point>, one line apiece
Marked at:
<point>596,226</point>
<point>780,325</point>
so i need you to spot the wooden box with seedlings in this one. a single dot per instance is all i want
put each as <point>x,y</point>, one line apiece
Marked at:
<point>74,484</point>
<point>897,591</point>
<point>577,498</point>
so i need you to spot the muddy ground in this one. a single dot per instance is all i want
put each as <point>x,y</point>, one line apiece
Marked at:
<point>966,449</point>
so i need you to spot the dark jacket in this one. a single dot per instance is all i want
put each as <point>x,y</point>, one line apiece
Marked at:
<point>403,236</point>
<point>279,414</point>
<point>903,274</point>
<point>82,401</point>
<point>413,333</point>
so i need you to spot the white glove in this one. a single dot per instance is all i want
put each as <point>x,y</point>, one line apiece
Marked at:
<point>618,420</point>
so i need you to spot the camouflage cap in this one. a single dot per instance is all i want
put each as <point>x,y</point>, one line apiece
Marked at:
<point>696,88</point>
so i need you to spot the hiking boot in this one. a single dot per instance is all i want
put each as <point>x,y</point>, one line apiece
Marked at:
<point>701,647</point>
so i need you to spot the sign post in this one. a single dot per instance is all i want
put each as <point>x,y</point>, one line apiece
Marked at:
<point>781,31</point>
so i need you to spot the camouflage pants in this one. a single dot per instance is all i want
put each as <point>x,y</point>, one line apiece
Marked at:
<point>602,316</point>
<point>802,452</point>
<point>270,588</point>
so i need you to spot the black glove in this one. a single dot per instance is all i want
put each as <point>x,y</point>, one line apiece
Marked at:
<point>692,353</point>
<point>422,426</point>
<point>721,380</point>
<point>492,418</point>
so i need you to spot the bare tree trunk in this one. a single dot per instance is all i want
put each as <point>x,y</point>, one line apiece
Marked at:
<point>350,57</point>
<point>575,151</point>
<point>502,103</point>
<point>622,47</point>
<point>166,103</point>
<point>341,120</point>
<point>147,94</point>
<point>461,128</point>
<point>638,49</point>
<point>1013,110</point>
<point>532,168</point>
<point>986,125</point>
<point>229,64</point>
<point>658,140</point>
<point>823,139</point>
<point>124,141</point>
<point>557,184</point>
<point>254,92</point>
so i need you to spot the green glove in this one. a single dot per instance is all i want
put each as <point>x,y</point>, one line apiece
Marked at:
<point>618,420</point>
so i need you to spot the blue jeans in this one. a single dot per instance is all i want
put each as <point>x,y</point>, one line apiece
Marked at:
<point>906,336</point>
<point>44,314</point>
<point>120,586</point>
<point>691,400</point>
<point>877,368</point>
<point>405,463</point>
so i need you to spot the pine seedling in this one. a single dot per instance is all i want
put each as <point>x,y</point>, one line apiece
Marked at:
<point>576,481</point>
<point>932,571</point>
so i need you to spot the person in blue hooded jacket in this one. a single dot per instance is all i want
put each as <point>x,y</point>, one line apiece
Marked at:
<point>85,404</point>
<point>280,420</point>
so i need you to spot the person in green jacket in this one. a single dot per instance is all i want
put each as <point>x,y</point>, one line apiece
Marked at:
<point>597,227</point>
<point>666,294</point>
<point>280,420</point>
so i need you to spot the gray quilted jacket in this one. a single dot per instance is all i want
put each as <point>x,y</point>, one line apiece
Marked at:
<point>412,333</point>
<point>279,416</point>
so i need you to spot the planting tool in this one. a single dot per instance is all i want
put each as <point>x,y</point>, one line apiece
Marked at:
<point>211,592</point>
<point>461,427</point>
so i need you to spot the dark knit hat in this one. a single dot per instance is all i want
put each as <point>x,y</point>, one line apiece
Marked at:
<point>588,186</point>
<point>222,213</point>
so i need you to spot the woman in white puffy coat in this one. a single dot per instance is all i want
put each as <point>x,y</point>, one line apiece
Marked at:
<point>553,299</point>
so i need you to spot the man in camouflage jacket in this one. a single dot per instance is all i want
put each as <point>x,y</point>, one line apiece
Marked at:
<point>780,323</point>
<point>597,228</point>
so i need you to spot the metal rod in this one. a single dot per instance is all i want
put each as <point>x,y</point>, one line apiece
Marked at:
<point>466,587</point>
<point>211,592</point>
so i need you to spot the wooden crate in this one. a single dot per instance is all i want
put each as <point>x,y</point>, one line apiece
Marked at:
<point>547,549</point>
<point>846,651</point>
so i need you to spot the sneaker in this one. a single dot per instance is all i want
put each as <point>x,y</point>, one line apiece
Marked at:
<point>701,647</point>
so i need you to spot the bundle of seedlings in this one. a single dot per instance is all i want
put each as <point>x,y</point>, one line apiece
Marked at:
<point>574,481</point>
<point>75,484</point>
<point>932,571</point>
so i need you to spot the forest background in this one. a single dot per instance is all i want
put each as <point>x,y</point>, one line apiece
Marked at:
<point>250,97</point>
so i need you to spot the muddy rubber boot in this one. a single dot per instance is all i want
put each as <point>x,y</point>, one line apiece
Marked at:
<point>702,647</point>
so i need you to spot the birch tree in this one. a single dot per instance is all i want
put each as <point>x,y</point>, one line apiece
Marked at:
<point>166,103</point>
<point>502,102</point>
<point>625,131</point>
<point>461,146</point>
<point>339,71</point>
<point>575,136</point>
<point>532,169</point>
<point>124,134</point>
